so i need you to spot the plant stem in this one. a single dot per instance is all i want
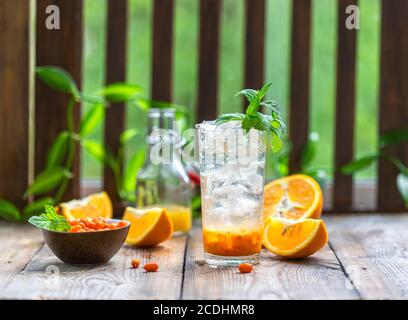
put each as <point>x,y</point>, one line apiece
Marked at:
<point>71,149</point>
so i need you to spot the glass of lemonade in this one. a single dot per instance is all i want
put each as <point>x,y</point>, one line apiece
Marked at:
<point>232,165</point>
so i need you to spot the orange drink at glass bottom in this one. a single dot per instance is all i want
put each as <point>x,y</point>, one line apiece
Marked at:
<point>234,242</point>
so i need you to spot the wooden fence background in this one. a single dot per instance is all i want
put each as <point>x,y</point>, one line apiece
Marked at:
<point>52,49</point>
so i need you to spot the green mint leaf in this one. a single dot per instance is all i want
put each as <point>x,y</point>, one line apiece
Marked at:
<point>226,117</point>
<point>58,79</point>
<point>253,118</point>
<point>255,102</point>
<point>249,94</point>
<point>271,106</point>
<point>276,142</point>
<point>8,210</point>
<point>50,220</point>
<point>261,94</point>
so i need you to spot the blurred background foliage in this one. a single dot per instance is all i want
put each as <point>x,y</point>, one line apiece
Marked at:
<point>277,66</point>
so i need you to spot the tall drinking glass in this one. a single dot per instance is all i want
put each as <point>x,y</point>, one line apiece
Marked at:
<point>232,166</point>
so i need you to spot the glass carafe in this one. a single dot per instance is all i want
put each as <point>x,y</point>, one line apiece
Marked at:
<point>163,181</point>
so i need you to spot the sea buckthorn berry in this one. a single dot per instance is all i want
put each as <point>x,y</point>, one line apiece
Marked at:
<point>99,225</point>
<point>72,222</point>
<point>245,268</point>
<point>135,263</point>
<point>122,224</point>
<point>151,267</point>
<point>76,228</point>
<point>89,224</point>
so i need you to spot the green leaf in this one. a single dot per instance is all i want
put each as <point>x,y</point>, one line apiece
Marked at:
<point>255,102</point>
<point>402,184</point>
<point>58,79</point>
<point>47,181</point>
<point>58,150</point>
<point>310,150</point>
<point>393,137</point>
<point>121,92</point>
<point>225,117</point>
<point>37,206</point>
<point>276,142</point>
<point>358,164</point>
<point>396,162</point>
<point>99,152</point>
<point>249,94</point>
<point>92,98</point>
<point>127,135</point>
<point>9,211</point>
<point>264,90</point>
<point>132,169</point>
<point>271,106</point>
<point>50,220</point>
<point>91,119</point>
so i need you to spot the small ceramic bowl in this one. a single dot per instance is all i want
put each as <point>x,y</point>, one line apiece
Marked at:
<point>86,247</point>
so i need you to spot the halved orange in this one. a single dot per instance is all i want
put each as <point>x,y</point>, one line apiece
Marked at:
<point>94,205</point>
<point>294,239</point>
<point>293,197</point>
<point>149,227</point>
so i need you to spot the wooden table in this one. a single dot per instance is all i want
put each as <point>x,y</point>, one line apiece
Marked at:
<point>367,258</point>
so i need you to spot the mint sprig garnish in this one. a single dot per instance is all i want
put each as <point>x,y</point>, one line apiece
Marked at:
<point>50,220</point>
<point>254,118</point>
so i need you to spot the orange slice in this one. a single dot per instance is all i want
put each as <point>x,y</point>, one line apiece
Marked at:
<point>293,197</point>
<point>149,227</point>
<point>95,205</point>
<point>294,239</point>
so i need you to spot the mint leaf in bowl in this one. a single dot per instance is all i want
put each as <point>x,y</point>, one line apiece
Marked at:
<point>50,220</point>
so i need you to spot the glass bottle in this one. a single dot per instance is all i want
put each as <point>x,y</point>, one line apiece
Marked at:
<point>163,181</point>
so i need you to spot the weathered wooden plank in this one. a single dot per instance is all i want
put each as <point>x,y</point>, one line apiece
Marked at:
<point>162,50</point>
<point>63,48</point>
<point>210,15</point>
<point>372,249</point>
<point>254,44</point>
<point>318,277</point>
<point>18,244</point>
<point>345,106</point>
<point>14,99</point>
<point>393,96</point>
<point>299,88</point>
<point>46,277</point>
<point>116,46</point>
